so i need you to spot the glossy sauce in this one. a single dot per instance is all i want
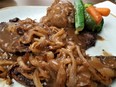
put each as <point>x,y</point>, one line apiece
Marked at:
<point>6,37</point>
<point>100,38</point>
<point>105,53</point>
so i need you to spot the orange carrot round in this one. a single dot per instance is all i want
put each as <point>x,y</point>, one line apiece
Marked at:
<point>95,14</point>
<point>103,11</point>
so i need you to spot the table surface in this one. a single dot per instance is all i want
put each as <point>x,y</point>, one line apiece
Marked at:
<point>7,3</point>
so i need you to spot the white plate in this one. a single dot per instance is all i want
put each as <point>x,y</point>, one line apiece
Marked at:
<point>36,12</point>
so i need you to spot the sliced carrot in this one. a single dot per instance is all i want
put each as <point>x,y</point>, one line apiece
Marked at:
<point>95,14</point>
<point>103,11</point>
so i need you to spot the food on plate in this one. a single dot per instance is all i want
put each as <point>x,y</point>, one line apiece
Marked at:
<point>91,25</point>
<point>79,16</point>
<point>49,53</point>
<point>89,16</point>
<point>60,14</point>
<point>103,11</point>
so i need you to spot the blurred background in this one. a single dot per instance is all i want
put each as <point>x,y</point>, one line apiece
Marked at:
<point>6,3</point>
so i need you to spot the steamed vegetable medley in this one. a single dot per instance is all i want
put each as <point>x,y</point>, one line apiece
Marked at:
<point>89,17</point>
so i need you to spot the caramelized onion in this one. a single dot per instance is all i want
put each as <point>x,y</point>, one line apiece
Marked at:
<point>6,62</point>
<point>22,64</point>
<point>36,79</point>
<point>61,76</point>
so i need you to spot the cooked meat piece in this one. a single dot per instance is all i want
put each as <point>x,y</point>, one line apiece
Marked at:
<point>60,14</point>
<point>85,39</point>
<point>13,73</point>
<point>9,39</point>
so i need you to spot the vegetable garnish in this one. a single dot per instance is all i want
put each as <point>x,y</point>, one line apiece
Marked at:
<point>95,14</point>
<point>91,25</point>
<point>87,5</point>
<point>79,16</point>
<point>89,17</point>
<point>103,11</point>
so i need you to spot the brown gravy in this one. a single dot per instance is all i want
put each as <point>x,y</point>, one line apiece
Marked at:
<point>6,37</point>
<point>105,53</point>
<point>100,38</point>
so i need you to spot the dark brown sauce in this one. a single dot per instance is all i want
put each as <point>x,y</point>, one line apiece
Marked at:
<point>105,53</point>
<point>6,37</point>
<point>75,38</point>
<point>71,34</point>
<point>84,39</point>
<point>100,38</point>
